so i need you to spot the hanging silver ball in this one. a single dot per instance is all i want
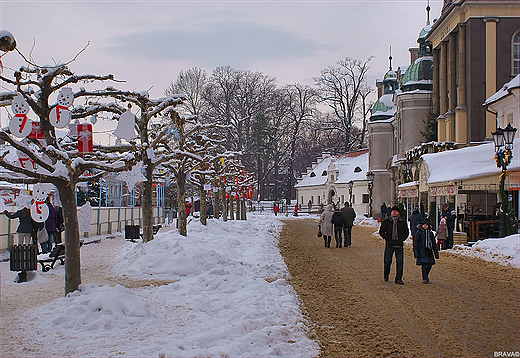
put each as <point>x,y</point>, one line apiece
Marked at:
<point>7,41</point>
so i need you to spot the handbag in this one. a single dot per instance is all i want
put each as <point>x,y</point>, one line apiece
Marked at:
<point>43,236</point>
<point>319,232</point>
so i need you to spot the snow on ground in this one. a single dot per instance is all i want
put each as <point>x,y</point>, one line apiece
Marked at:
<point>224,293</point>
<point>227,296</point>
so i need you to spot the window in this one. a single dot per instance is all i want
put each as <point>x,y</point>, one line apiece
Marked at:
<point>342,198</point>
<point>324,173</point>
<point>332,177</point>
<point>318,199</point>
<point>366,198</point>
<point>357,170</point>
<point>353,199</point>
<point>312,199</point>
<point>516,54</point>
<point>302,199</point>
<point>313,174</point>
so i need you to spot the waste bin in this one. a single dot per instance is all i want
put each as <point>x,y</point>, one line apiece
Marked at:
<point>132,232</point>
<point>23,259</point>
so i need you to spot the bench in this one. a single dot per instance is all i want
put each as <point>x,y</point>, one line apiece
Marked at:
<point>56,254</point>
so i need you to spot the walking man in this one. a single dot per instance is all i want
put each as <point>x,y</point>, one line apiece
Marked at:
<point>350,215</point>
<point>395,231</point>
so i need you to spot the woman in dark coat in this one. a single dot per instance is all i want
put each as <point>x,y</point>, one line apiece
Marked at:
<point>425,249</point>
<point>25,227</point>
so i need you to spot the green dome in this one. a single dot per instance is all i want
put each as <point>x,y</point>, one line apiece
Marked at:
<point>383,108</point>
<point>425,31</point>
<point>390,75</point>
<point>419,75</point>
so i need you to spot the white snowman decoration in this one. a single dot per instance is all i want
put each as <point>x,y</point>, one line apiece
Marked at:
<point>25,161</point>
<point>60,114</point>
<point>39,209</point>
<point>20,126</point>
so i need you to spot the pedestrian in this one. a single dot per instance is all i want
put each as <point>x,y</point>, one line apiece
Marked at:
<point>25,227</point>
<point>415,219</point>
<point>441,234</point>
<point>51,225</point>
<point>388,212</point>
<point>210,210</point>
<point>424,249</point>
<point>384,210</point>
<point>295,210</point>
<point>60,225</point>
<point>350,215</point>
<point>310,205</point>
<point>394,230</point>
<point>276,209</point>
<point>325,224</point>
<point>339,222</point>
<point>449,214</point>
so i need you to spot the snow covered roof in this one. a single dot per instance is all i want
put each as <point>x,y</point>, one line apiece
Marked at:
<point>504,91</point>
<point>466,163</point>
<point>384,106</point>
<point>346,165</point>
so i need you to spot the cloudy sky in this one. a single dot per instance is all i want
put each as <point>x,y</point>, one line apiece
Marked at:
<point>146,43</point>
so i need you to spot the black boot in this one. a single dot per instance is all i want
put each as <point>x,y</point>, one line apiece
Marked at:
<point>325,240</point>
<point>329,239</point>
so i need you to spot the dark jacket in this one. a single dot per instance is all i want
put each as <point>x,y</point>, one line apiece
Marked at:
<point>52,220</point>
<point>338,219</point>
<point>450,219</point>
<point>26,222</point>
<point>386,232</point>
<point>414,220</point>
<point>384,209</point>
<point>349,215</point>
<point>420,252</point>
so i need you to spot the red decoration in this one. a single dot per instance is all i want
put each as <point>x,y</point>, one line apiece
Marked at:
<point>85,138</point>
<point>36,132</point>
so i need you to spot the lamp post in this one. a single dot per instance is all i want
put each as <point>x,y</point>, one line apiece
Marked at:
<point>350,186</point>
<point>370,178</point>
<point>503,139</point>
<point>406,168</point>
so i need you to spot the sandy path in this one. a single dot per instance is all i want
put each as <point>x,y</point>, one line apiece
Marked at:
<point>470,308</point>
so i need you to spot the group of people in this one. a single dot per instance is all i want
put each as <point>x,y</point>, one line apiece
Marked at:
<point>28,228</point>
<point>337,221</point>
<point>394,230</point>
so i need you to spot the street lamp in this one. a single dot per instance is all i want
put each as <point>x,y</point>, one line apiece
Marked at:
<point>370,178</point>
<point>503,139</point>
<point>350,186</point>
<point>406,168</point>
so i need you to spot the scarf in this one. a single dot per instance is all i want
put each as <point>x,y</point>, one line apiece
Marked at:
<point>428,243</point>
<point>394,228</point>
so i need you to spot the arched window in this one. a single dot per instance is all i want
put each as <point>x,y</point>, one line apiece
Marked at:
<point>516,53</point>
<point>313,174</point>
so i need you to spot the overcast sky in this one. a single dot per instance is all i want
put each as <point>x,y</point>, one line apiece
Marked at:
<point>146,43</point>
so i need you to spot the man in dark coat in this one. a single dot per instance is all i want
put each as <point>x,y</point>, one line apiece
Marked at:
<point>384,209</point>
<point>395,231</point>
<point>339,222</point>
<point>349,214</point>
<point>450,216</point>
<point>415,219</point>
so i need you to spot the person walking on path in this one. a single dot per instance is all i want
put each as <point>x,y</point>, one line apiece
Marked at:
<point>441,234</point>
<point>25,227</point>
<point>339,222</point>
<point>325,224</point>
<point>275,209</point>
<point>394,230</point>
<point>349,214</point>
<point>425,250</point>
<point>415,219</point>
<point>450,216</point>
<point>384,210</point>
<point>51,224</point>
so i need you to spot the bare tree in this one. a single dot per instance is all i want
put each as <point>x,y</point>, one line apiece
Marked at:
<point>340,89</point>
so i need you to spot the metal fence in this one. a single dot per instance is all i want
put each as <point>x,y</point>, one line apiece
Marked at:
<point>104,221</point>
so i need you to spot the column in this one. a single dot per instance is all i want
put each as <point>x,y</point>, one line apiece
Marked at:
<point>452,87</point>
<point>491,66</point>
<point>461,115</point>
<point>443,89</point>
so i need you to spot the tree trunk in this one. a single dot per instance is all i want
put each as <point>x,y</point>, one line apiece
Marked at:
<point>72,254</point>
<point>147,203</point>
<point>216,205</point>
<point>181,203</point>
<point>238,209</point>
<point>231,206</point>
<point>224,204</point>
<point>203,207</point>
<point>243,212</point>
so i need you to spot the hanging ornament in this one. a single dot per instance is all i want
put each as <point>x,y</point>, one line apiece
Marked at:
<point>19,125</point>
<point>93,119</point>
<point>132,177</point>
<point>84,217</point>
<point>23,200</point>
<point>25,161</point>
<point>39,209</point>
<point>126,126</point>
<point>85,138</point>
<point>60,114</point>
<point>73,129</point>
